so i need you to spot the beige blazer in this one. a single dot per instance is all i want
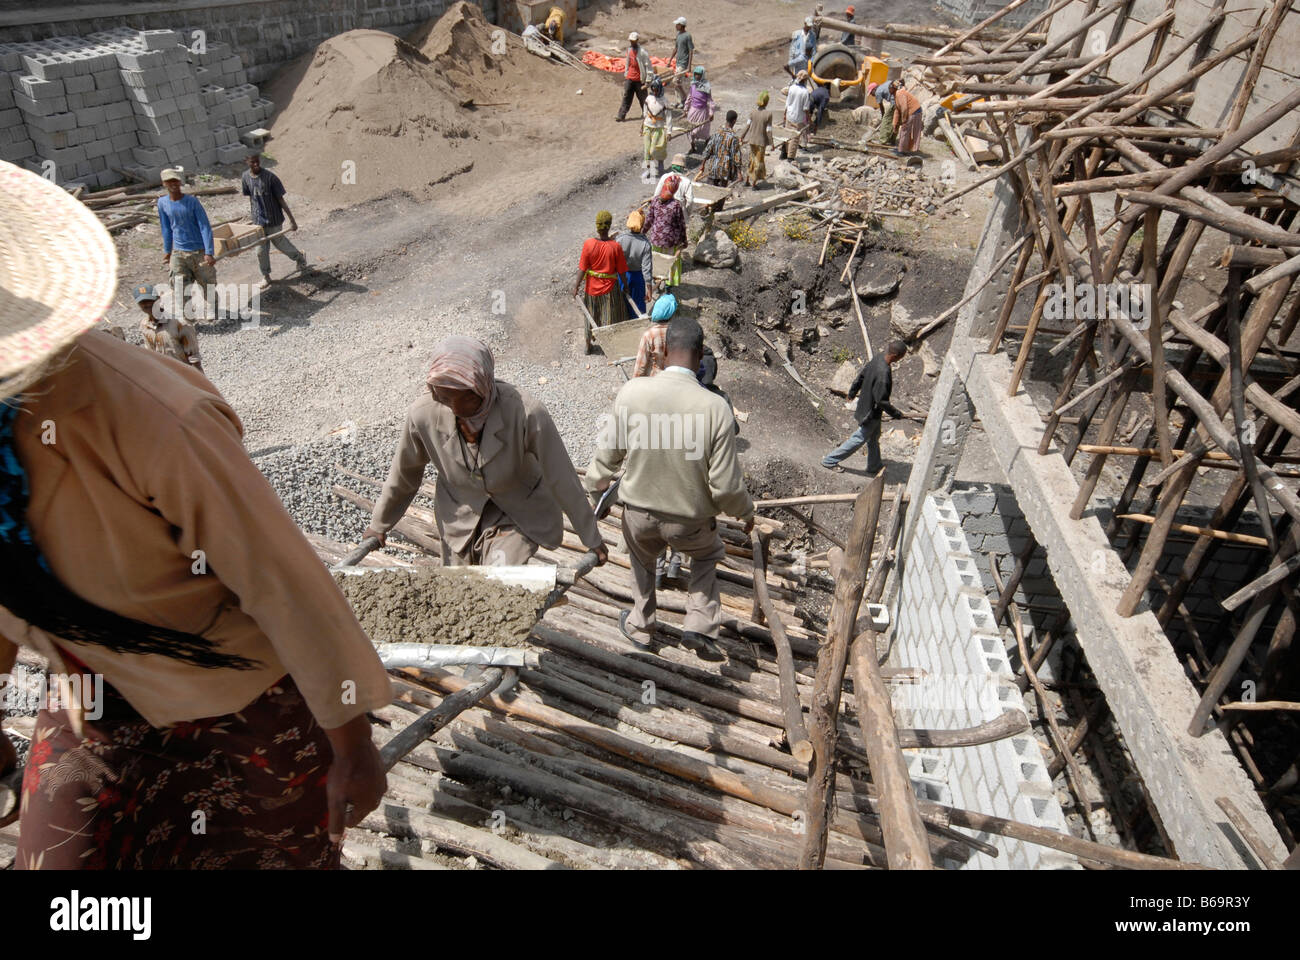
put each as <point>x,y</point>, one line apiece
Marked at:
<point>144,502</point>
<point>523,467</point>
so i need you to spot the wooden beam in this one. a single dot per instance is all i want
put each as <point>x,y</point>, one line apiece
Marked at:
<point>832,658</point>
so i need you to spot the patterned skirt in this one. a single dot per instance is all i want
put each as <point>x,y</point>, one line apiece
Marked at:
<point>699,115</point>
<point>242,791</point>
<point>909,133</point>
<point>757,165</point>
<point>608,308</point>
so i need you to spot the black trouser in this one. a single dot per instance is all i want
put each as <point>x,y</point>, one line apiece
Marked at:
<point>632,88</point>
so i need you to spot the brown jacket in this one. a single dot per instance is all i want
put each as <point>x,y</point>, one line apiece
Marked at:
<point>146,467</point>
<point>525,470</point>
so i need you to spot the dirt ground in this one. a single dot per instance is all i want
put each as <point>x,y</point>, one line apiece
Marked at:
<point>347,342</point>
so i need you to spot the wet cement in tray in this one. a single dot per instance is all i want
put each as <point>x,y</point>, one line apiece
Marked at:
<point>399,606</point>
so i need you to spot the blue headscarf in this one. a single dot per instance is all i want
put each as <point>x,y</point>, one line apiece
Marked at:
<point>664,308</point>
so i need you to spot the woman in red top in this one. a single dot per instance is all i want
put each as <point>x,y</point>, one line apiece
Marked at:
<point>600,265</point>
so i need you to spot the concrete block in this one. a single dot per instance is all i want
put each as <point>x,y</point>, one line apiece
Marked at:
<point>54,123</point>
<point>208,157</point>
<point>14,152</point>
<point>107,79</point>
<point>40,108</point>
<point>159,39</point>
<point>140,61</point>
<point>10,58</point>
<point>151,157</point>
<point>38,89</point>
<point>81,83</point>
<point>99,148</point>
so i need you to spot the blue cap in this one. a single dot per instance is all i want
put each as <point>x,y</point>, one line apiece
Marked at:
<point>145,291</point>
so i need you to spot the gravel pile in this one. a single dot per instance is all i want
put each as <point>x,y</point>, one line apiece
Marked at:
<point>303,474</point>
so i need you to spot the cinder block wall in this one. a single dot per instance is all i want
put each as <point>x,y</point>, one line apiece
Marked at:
<point>944,625</point>
<point>993,524</point>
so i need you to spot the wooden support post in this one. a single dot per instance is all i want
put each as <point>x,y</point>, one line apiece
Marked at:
<point>791,708</point>
<point>906,846</point>
<point>832,658</point>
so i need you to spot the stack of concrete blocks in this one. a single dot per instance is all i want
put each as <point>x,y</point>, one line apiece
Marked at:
<point>81,110</point>
<point>944,626</point>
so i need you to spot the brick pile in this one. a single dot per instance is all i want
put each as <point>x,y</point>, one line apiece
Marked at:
<point>79,110</point>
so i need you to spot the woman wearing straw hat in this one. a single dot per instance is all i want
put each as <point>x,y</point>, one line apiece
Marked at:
<point>223,679</point>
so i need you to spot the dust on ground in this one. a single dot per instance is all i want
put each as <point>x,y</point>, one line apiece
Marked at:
<point>440,606</point>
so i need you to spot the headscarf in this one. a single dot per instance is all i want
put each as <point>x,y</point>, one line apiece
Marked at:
<point>871,87</point>
<point>636,221</point>
<point>664,308</point>
<point>604,219</point>
<point>764,98</point>
<point>671,183</point>
<point>464,363</point>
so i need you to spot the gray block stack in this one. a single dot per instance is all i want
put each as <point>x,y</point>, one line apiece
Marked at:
<point>81,109</point>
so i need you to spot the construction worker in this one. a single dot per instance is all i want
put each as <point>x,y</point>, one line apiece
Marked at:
<point>600,265</point>
<point>636,76</point>
<point>145,550</point>
<point>640,261</point>
<point>187,244</point>
<point>684,61</point>
<point>872,387</point>
<point>555,25</point>
<point>685,194</point>
<point>803,44</point>
<point>674,485</point>
<point>265,195</point>
<point>849,39</point>
<point>798,103</point>
<point>171,336</point>
<point>503,474</point>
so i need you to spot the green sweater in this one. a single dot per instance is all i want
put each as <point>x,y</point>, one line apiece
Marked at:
<point>676,443</point>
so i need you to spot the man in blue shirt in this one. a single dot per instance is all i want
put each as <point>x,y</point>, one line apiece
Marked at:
<point>187,243</point>
<point>265,195</point>
<point>803,45</point>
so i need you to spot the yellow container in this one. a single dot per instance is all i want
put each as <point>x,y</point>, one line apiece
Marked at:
<point>952,98</point>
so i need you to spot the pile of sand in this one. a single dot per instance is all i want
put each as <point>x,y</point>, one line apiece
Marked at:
<point>471,54</point>
<point>365,115</point>
<point>440,606</point>
<point>456,109</point>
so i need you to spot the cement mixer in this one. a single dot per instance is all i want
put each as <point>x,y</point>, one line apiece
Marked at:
<point>847,71</point>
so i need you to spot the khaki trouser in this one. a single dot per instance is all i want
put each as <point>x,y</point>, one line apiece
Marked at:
<point>496,542</point>
<point>189,266</point>
<point>646,535</point>
<point>283,245</point>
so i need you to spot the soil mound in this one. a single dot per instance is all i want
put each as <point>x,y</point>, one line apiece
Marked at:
<point>366,114</point>
<point>466,50</point>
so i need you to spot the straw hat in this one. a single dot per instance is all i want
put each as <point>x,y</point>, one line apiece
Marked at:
<point>58,270</point>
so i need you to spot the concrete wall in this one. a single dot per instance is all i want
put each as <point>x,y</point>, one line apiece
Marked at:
<point>944,625</point>
<point>1216,90</point>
